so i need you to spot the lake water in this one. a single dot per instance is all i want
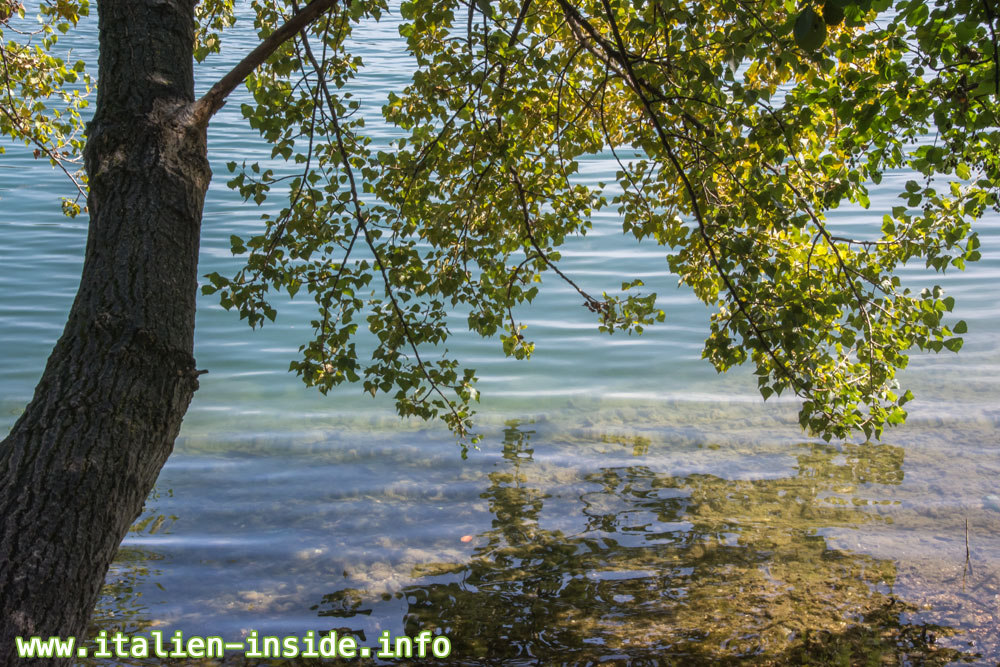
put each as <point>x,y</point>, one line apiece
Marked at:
<point>627,505</point>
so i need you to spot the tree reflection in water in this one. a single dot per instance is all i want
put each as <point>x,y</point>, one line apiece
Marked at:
<point>677,570</point>
<point>657,569</point>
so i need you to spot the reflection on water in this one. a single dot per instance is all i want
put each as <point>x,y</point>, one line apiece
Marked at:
<point>694,569</point>
<point>624,563</point>
<point>121,607</point>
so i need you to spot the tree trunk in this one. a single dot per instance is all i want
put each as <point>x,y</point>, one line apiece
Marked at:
<point>79,463</point>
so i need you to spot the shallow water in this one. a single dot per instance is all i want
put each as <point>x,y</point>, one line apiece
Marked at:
<point>626,504</point>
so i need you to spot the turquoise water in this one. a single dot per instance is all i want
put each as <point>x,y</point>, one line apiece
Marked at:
<point>626,502</point>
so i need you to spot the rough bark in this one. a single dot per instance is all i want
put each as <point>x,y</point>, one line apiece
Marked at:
<point>79,463</point>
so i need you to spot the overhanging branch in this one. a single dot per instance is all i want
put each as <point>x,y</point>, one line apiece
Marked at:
<point>213,100</point>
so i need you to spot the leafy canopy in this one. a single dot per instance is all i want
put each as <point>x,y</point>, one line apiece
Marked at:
<point>750,122</point>
<point>42,95</point>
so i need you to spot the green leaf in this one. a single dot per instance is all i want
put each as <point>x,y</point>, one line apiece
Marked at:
<point>810,30</point>
<point>485,7</point>
<point>833,12</point>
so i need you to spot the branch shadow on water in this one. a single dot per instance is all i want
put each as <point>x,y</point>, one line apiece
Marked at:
<point>630,565</point>
<point>685,570</point>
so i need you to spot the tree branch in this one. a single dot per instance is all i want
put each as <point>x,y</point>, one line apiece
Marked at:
<point>213,100</point>
<point>617,57</point>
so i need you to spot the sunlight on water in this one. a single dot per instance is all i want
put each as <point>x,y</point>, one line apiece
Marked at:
<point>626,504</point>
